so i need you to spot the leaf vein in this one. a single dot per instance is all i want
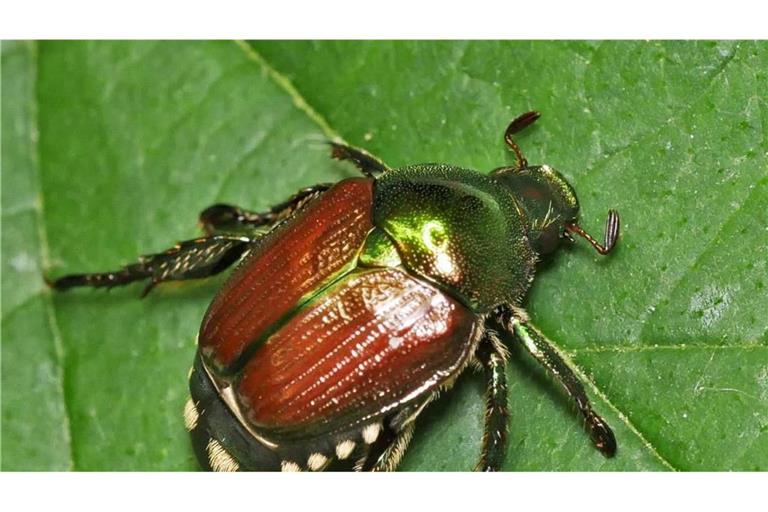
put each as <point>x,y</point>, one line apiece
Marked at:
<point>625,349</point>
<point>623,417</point>
<point>45,262</point>
<point>285,84</point>
<point>298,100</point>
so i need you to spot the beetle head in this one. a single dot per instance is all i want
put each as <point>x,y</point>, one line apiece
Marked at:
<point>548,200</point>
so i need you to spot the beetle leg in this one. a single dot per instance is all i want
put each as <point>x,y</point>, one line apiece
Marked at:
<point>388,450</point>
<point>367,163</point>
<point>493,358</point>
<point>191,259</point>
<point>223,217</point>
<point>547,355</point>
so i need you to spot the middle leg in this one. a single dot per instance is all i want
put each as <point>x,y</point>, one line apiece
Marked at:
<point>388,451</point>
<point>222,217</point>
<point>492,356</point>
<point>368,164</point>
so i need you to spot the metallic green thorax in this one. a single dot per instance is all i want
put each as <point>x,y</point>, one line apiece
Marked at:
<point>458,228</point>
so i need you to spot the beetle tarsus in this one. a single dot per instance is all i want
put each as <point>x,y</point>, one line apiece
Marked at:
<point>100,280</point>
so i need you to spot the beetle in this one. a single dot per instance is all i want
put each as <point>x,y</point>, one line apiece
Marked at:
<point>355,303</point>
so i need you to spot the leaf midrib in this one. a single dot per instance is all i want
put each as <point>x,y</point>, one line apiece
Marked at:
<point>44,256</point>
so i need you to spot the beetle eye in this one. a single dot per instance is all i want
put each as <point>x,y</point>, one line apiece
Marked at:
<point>532,193</point>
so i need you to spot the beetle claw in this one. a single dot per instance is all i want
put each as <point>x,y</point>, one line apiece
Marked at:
<point>602,435</point>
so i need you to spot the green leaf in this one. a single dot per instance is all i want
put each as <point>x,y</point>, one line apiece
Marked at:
<point>111,149</point>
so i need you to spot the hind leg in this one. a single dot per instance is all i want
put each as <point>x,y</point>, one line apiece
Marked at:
<point>191,259</point>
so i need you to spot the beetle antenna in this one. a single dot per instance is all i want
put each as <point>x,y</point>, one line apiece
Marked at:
<point>611,233</point>
<point>519,123</point>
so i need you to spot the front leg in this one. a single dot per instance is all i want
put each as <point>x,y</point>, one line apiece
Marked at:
<point>191,259</point>
<point>517,324</point>
<point>492,356</point>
